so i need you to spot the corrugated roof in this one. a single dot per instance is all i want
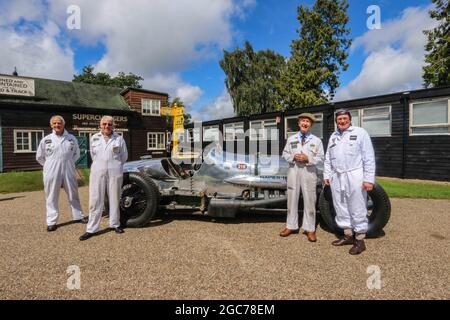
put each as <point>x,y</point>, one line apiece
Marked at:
<point>50,92</point>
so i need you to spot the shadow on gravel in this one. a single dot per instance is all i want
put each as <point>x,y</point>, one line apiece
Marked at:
<point>240,218</point>
<point>11,198</point>
<point>68,223</point>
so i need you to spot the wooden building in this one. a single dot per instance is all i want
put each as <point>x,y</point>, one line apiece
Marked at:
<point>410,130</point>
<point>26,105</point>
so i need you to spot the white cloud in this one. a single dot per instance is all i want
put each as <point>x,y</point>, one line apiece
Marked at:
<point>156,39</point>
<point>147,37</point>
<point>12,11</point>
<point>395,56</point>
<point>35,52</point>
<point>174,86</point>
<point>221,108</point>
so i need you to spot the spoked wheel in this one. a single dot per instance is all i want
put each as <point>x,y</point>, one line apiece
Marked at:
<point>378,210</point>
<point>139,201</point>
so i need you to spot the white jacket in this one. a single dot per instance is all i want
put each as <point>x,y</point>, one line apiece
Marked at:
<point>313,148</point>
<point>351,150</point>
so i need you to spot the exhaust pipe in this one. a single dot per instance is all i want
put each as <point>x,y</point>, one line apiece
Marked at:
<point>227,208</point>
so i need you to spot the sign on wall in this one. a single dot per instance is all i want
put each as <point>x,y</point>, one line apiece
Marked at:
<point>83,121</point>
<point>16,86</point>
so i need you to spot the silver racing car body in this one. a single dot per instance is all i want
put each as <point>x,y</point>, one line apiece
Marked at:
<point>222,185</point>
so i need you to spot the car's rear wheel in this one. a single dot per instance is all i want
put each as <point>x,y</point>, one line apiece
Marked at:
<point>139,201</point>
<point>378,208</point>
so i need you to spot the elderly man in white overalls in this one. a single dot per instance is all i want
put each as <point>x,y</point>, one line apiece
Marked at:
<point>109,153</point>
<point>350,171</point>
<point>304,153</point>
<point>57,153</point>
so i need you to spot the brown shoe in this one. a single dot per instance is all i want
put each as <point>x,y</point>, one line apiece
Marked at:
<point>311,236</point>
<point>358,247</point>
<point>342,242</point>
<point>287,232</point>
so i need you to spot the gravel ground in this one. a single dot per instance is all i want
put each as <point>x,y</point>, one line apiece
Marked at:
<point>196,258</point>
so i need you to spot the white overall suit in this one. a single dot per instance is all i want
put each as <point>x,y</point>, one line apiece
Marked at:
<point>106,176</point>
<point>57,154</point>
<point>302,177</point>
<point>349,162</point>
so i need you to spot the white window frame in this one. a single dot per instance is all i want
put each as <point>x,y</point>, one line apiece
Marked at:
<point>263,127</point>
<point>233,125</point>
<point>163,134</point>
<point>411,126</point>
<point>318,116</point>
<point>194,135</point>
<point>29,150</point>
<point>216,127</point>
<point>150,110</point>
<point>361,117</point>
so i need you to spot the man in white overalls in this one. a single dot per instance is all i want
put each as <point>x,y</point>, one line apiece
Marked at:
<point>57,153</point>
<point>304,153</point>
<point>109,153</point>
<point>350,171</point>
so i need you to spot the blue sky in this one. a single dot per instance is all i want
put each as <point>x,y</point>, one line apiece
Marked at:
<point>176,45</point>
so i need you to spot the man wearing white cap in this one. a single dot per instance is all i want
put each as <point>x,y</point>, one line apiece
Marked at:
<point>350,171</point>
<point>304,153</point>
<point>57,153</point>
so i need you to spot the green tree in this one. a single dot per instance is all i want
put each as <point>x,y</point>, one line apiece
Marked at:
<point>251,79</point>
<point>437,68</point>
<point>104,79</point>
<point>312,72</point>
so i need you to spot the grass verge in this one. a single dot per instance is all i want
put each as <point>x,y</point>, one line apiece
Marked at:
<point>397,188</point>
<point>12,182</point>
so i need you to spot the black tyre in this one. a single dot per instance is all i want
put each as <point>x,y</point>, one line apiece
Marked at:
<point>139,201</point>
<point>378,207</point>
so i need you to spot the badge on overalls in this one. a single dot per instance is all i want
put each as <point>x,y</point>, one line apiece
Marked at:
<point>115,149</point>
<point>353,137</point>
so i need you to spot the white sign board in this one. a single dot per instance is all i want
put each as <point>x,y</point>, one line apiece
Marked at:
<point>16,86</point>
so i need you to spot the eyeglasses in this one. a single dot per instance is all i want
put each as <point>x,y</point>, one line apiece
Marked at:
<point>106,124</point>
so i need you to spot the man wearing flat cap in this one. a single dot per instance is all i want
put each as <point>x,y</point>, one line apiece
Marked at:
<point>304,153</point>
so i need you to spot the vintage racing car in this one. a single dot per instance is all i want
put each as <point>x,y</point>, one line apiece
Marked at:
<point>223,185</point>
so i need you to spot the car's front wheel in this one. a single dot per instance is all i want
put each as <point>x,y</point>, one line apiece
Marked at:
<point>139,201</point>
<point>378,210</point>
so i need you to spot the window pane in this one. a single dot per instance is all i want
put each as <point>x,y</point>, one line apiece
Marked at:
<point>160,140</point>
<point>430,113</point>
<point>355,118</point>
<point>271,131</point>
<point>377,121</point>
<point>317,129</point>
<point>431,130</point>
<point>239,132</point>
<point>229,132</point>
<point>211,133</point>
<point>35,139</point>
<point>377,127</point>
<point>291,126</point>
<point>255,130</point>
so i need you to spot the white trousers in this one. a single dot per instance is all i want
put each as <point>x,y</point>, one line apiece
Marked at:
<point>52,186</point>
<point>350,200</point>
<point>100,183</point>
<point>301,179</point>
